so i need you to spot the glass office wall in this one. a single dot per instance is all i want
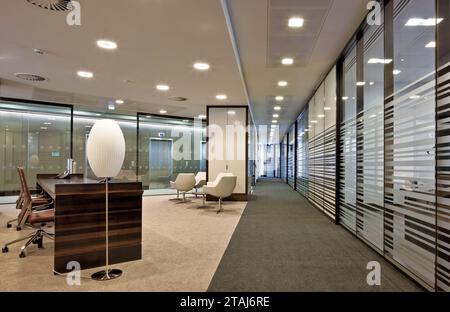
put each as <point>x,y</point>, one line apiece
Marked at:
<point>302,153</point>
<point>291,157</point>
<point>410,198</point>
<point>270,153</point>
<point>82,124</point>
<point>283,159</point>
<point>168,146</point>
<point>370,138</point>
<point>36,137</point>
<point>347,144</point>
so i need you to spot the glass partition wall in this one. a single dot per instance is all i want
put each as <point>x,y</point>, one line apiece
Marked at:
<point>168,146</point>
<point>36,137</point>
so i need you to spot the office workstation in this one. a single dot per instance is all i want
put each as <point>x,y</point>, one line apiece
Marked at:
<point>224,146</point>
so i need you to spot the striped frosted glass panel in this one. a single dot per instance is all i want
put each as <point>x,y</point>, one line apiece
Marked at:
<point>291,156</point>
<point>369,173</point>
<point>283,159</point>
<point>443,179</point>
<point>347,174</point>
<point>329,172</point>
<point>316,170</point>
<point>302,154</point>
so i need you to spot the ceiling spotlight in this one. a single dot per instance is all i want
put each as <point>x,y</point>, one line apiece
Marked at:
<point>282,83</point>
<point>107,44</point>
<point>111,106</point>
<point>277,108</point>
<point>296,22</point>
<point>276,115</point>
<point>221,97</point>
<point>321,116</point>
<point>85,74</point>
<point>327,108</point>
<point>345,98</point>
<point>414,97</point>
<point>201,66</point>
<point>163,87</point>
<point>274,121</point>
<point>371,83</point>
<point>431,45</point>
<point>201,116</point>
<point>231,112</point>
<point>119,102</point>
<point>314,121</point>
<point>279,98</point>
<point>287,61</point>
<point>361,83</point>
<point>396,72</point>
<point>162,111</point>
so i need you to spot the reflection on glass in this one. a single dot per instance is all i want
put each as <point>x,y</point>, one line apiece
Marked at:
<point>36,137</point>
<point>169,146</point>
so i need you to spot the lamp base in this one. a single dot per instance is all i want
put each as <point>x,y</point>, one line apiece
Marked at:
<point>102,276</point>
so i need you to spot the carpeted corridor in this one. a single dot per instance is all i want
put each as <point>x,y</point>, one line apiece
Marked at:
<point>282,243</point>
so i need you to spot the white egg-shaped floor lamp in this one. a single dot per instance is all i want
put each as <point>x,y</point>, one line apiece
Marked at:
<point>106,153</point>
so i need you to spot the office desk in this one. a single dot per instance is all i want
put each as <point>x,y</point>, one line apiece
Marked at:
<point>80,221</point>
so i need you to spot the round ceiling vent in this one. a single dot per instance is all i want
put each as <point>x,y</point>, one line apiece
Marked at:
<point>178,98</point>
<point>29,77</point>
<point>53,5</point>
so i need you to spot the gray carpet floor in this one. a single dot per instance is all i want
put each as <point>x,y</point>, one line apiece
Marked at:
<point>282,243</point>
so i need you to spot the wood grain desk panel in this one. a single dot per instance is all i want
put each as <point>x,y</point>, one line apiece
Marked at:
<point>80,221</point>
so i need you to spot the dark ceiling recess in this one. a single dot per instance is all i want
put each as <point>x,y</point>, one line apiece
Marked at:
<point>29,77</point>
<point>53,5</point>
<point>178,98</point>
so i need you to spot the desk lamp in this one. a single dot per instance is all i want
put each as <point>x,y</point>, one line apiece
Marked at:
<point>106,153</point>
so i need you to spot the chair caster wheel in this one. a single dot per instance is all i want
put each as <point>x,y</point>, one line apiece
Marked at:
<point>19,228</point>
<point>5,249</point>
<point>23,254</point>
<point>9,226</point>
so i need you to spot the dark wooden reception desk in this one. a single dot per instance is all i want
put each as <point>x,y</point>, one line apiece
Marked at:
<point>80,220</point>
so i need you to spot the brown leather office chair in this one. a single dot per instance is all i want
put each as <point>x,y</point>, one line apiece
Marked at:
<point>34,216</point>
<point>37,200</point>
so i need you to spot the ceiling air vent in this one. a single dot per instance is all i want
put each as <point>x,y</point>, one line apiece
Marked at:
<point>178,98</point>
<point>53,5</point>
<point>29,77</point>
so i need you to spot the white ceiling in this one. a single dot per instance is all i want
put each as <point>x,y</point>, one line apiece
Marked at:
<point>264,37</point>
<point>159,40</point>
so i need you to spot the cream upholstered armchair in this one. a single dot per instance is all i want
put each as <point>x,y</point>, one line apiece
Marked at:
<point>221,188</point>
<point>183,183</point>
<point>200,181</point>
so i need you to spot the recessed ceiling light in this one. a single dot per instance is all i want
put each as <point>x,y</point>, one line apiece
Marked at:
<point>379,61</point>
<point>85,74</point>
<point>414,97</point>
<point>431,44</point>
<point>162,111</point>
<point>277,108</point>
<point>276,115</point>
<point>119,102</point>
<point>361,83</point>
<point>306,130</point>
<point>201,66</point>
<point>107,44</point>
<point>279,98</point>
<point>231,112</point>
<point>201,116</point>
<point>221,97</point>
<point>345,98</point>
<point>327,108</point>
<point>111,106</point>
<point>396,71</point>
<point>371,83</point>
<point>423,21</point>
<point>296,22</point>
<point>321,116</point>
<point>287,61</point>
<point>314,121</point>
<point>162,87</point>
<point>47,123</point>
<point>282,83</point>
<point>274,121</point>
